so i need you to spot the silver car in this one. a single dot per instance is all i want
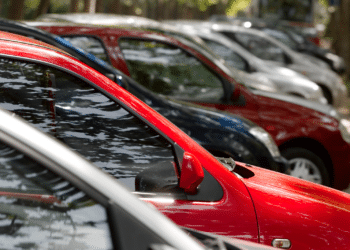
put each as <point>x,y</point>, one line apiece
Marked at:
<point>274,52</point>
<point>285,80</point>
<point>52,198</point>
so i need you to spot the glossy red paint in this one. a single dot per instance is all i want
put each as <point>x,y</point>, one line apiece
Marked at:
<point>306,212</point>
<point>259,206</point>
<point>226,216</point>
<point>288,123</point>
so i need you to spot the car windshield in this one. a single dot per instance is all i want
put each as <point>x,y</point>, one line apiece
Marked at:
<point>282,37</point>
<point>198,44</point>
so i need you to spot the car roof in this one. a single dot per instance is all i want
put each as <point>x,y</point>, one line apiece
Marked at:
<point>28,40</point>
<point>98,18</point>
<point>22,28</point>
<point>144,32</point>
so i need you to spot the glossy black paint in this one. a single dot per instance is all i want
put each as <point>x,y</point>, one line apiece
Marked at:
<point>224,135</point>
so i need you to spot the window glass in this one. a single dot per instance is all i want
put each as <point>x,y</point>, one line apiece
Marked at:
<point>282,37</point>
<point>258,46</point>
<point>231,58</point>
<point>84,119</point>
<point>168,70</point>
<point>89,44</point>
<point>40,210</point>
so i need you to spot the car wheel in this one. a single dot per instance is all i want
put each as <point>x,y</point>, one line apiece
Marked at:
<point>306,165</point>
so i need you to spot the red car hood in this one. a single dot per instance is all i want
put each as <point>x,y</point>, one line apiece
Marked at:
<point>311,216</point>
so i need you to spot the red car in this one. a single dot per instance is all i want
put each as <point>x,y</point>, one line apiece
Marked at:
<point>153,158</point>
<point>310,135</point>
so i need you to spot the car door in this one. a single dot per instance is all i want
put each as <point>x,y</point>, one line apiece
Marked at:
<point>116,140</point>
<point>39,209</point>
<point>171,71</point>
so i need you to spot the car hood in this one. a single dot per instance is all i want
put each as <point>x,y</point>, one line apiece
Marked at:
<point>322,108</point>
<point>253,81</point>
<point>272,68</point>
<point>304,212</point>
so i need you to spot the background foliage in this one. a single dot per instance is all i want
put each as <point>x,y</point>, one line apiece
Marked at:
<point>157,9</point>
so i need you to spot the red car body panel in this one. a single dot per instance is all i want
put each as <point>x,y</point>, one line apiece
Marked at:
<point>260,206</point>
<point>307,210</point>
<point>231,211</point>
<point>288,123</point>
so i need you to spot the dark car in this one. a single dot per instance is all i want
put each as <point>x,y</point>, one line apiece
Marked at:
<point>223,134</point>
<point>313,137</point>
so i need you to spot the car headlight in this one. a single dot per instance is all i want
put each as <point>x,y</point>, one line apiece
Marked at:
<point>266,138</point>
<point>344,127</point>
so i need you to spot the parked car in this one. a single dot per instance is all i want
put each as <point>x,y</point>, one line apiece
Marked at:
<point>293,38</point>
<point>153,158</point>
<point>285,80</point>
<point>52,197</point>
<point>272,51</point>
<point>244,140</point>
<point>299,43</point>
<point>304,131</point>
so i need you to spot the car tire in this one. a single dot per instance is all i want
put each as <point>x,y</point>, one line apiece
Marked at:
<point>306,165</point>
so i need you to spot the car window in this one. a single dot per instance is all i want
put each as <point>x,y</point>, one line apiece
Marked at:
<point>282,37</point>
<point>89,44</point>
<point>41,210</point>
<point>231,57</point>
<point>169,70</point>
<point>258,46</point>
<point>87,121</point>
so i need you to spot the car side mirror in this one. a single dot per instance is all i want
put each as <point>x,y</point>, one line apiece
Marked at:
<point>236,93</point>
<point>287,60</point>
<point>250,68</point>
<point>192,173</point>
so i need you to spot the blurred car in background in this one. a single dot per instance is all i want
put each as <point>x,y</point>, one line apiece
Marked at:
<point>310,135</point>
<point>272,51</point>
<point>291,37</point>
<point>286,81</point>
<point>308,31</point>
<point>153,158</point>
<point>52,197</point>
<point>222,134</point>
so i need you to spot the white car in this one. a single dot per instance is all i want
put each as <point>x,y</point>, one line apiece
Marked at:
<point>274,52</point>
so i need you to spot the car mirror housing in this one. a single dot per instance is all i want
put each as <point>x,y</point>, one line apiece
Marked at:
<point>236,93</point>
<point>192,173</point>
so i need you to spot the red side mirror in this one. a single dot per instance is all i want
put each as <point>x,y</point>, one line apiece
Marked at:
<point>236,93</point>
<point>191,173</point>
